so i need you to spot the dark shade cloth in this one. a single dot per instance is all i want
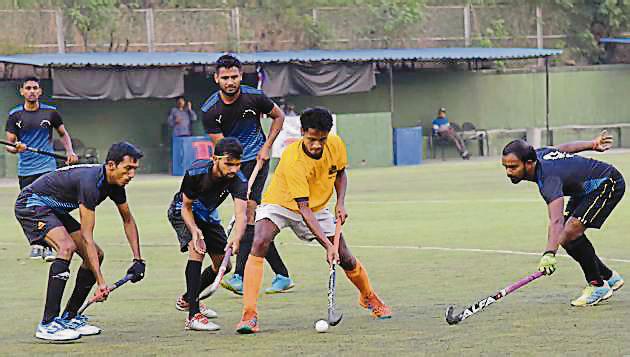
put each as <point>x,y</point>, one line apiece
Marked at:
<point>116,84</point>
<point>318,79</point>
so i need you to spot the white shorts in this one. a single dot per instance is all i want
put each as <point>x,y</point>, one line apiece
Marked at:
<point>284,217</point>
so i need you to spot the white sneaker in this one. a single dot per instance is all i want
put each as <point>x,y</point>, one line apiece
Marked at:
<point>201,323</point>
<point>79,324</point>
<point>56,331</point>
<point>48,254</point>
<point>182,305</point>
<point>36,252</point>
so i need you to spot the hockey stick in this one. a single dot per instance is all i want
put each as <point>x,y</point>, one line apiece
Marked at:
<point>116,285</point>
<point>36,150</point>
<point>210,290</point>
<point>485,302</point>
<point>334,315</point>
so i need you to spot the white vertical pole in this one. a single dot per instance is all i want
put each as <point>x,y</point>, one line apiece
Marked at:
<point>467,41</point>
<point>539,32</point>
<point>148,17</point>
<point>237,28</point>
<point>61,41</point>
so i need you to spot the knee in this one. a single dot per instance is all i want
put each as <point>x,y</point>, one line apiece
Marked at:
<point>66,248</point>
<point>346,260</point>
<point>260,246</point>
<point>573,229</point>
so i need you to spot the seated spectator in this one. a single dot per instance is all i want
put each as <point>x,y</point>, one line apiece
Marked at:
<point>442,128</point>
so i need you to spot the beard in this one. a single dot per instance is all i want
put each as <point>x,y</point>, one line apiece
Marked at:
<point>515,179</point>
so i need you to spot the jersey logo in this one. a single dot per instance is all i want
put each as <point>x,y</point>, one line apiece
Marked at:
<point>19,124</point>
<point>41,225</point>
<point>557,155</point>
<point>219,118</point>
<point>251,113</point>
<point>45,123</point>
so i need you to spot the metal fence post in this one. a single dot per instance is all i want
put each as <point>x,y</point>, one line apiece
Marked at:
<point>236,28</point>
<point>467,41</point>
<point>61,40</point>
<point>539,32</point>
<point>149,20</point>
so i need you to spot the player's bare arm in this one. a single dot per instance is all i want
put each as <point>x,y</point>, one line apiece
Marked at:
<point>215,137</point>
<point>277,116</point>
<point>67,144</point>
<point>311,222</point>
<point>601,143</point>
<point>189,219</point>
<point>131,230</point>
<point>240,213</point>
<point>556,225</point>
<point>88,219</point>
<point>341,184</point>
<point>12,138</point>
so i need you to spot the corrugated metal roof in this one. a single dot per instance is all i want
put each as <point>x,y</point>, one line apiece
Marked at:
<point>147,59</point>
<point>614,40</point>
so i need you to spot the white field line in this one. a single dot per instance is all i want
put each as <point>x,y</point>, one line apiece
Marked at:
<point>443,201</point>
<point>445,249</point>
<point>400,247</point>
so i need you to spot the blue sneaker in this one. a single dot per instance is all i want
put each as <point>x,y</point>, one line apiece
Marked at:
<point>56,331</point>
<point>79,323</point>
<point>616,281</point>
<point>591,295</point>
<point>234,284</point>
<point>280,284</point>
<point>36,252</point>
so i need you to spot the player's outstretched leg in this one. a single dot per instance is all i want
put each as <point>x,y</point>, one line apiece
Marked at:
<point>196,320</point>
<point>357,274</point>
<point>282,282</point>
<point>266,230</point>
<point>51,327</point>
<point>597,289</point>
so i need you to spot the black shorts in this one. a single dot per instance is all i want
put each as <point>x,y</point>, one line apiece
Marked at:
<point>27,180</point>
<point>594,208</point>
<point>259,185</point>
<point>37,221</point>
<point>213,233</point>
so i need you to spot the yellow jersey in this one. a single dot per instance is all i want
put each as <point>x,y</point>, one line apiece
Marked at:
<point>299,175</point>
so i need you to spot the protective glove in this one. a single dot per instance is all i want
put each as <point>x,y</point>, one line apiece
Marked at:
<point>137,270</point>
<point>547,263</point>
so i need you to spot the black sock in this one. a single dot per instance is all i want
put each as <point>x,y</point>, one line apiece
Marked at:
<point>84,282</point>
<point>207,278</point>
<point>244,249</point>
<point>605,272</point>
<point>193,276</point>
<point>274,260</point>
<point>583,252</point>
<point>58,274</point>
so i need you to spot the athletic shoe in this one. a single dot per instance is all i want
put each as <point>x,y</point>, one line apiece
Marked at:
<point>200,323</point>
<point>280,284</point>
<point>48,254</point>
<point>56,331</point>
<point>234,284</point>
<point>248,326</point>
<point>377,307</point>
<point>591,295</point>
<point>616,281</point>
<point>79,323</point>
<point>36,252</point>
<point>466,155</point>
<point>183,305</point>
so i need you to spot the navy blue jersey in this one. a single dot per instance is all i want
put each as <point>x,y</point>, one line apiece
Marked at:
<point>240,119</point>
<point>65,188</point>
<point>34,128</point>
<point>561,174</point>
<point>207,192</point>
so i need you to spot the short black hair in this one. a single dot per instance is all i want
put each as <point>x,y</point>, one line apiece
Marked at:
<point>180,97</point>
<point>118,151</point>
<point>29,79</point>
<point>229,146</point>
<point>228,61</point>
<point>318,118</point>
<point>521,149</point>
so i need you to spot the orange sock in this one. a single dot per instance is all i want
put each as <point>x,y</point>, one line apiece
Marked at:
<point>252,284</point>
<point>358,276</point>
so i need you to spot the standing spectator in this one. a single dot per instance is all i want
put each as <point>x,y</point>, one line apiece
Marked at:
<point>442,128</point>
<point>181,117</point>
